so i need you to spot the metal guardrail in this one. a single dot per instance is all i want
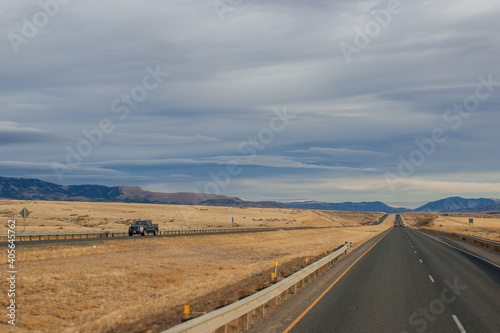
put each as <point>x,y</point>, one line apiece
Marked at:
<point>471,239</point>
<point>217,320</point>
<point>122,233</point>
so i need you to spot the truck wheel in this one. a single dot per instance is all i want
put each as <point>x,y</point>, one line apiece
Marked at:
<point>130,234</point>
<point>143,233</point>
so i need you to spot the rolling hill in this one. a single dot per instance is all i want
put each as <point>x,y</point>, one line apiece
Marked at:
<point>375,206</point>
<point>455,204</point>
<point>34,189</point>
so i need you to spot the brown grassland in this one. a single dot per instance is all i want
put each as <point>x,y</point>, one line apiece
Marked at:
<point>484,225</point>
<point>98,216</point>
<point>141,283</point>
<point>134,284</point>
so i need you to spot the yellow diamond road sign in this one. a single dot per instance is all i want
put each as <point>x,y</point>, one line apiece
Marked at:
<point>24,213</point>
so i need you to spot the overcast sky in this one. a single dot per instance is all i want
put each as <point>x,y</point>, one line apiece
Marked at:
<point>280,100</point>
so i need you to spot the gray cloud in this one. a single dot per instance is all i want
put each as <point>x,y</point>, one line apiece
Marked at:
<point>227,76</point>
<point>12,133</point>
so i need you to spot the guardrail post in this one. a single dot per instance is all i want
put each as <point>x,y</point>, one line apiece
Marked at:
<point>274,302</point>
<point>260,312</point>
<point>243,323</point>
<point>284,296</point>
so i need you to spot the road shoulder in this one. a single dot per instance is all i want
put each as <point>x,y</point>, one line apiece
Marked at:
<point>476,250</point>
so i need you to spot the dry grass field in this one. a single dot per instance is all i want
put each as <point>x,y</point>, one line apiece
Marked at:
<point>485,225</point>
<point>47,216</point>
<point>141,283</point>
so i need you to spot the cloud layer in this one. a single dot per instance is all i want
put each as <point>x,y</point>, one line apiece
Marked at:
<point>334,101</point>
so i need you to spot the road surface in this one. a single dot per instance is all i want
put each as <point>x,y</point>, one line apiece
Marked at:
<point>83,241</point>
<point>380,220</point>
<point>407,282</point>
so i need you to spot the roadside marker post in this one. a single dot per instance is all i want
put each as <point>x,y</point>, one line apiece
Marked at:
<point>188,315</point>
<point>275,268</point>
<point>24,213</point>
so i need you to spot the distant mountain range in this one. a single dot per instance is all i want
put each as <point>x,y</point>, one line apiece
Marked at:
<point>452,204</point>
<point>457,204</point>
<point>375,206</point>
<point>34,189</point>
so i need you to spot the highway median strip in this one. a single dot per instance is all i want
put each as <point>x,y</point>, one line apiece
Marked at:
<point>43,236</point>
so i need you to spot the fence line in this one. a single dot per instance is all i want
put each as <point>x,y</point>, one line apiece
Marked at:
<point>120,233</point>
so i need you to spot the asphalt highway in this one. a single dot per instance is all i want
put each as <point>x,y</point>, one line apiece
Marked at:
<point>380,220</point>
<point>83,241</point>
<point>404,281</point>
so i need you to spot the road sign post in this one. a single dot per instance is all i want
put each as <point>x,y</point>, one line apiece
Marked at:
<point>232,221</point>
<point>24,213</point>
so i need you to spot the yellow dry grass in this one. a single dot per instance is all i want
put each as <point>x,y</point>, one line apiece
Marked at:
<point>484,225</point>
<point>142,283</point>
<point>49,216</point>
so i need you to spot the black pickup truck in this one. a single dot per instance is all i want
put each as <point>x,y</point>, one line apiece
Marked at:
<point>143,227</point>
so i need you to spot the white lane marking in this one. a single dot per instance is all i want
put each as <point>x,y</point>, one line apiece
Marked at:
<point>456,248</point>
<point>421,261</point>
<point>430,277</point>
<point>460,327</point>
<point>415,251</point>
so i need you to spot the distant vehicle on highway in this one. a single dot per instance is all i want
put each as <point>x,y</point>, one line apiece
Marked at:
<point>399,221</point>
<point>143,227</point>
